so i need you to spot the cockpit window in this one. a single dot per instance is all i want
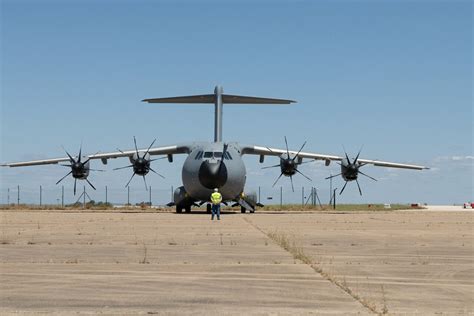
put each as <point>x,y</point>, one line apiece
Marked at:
<point>217,154</point>
<point>199,155</point>
<point>208,154</point>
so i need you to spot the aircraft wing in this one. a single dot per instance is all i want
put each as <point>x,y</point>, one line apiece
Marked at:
<point>165,150</point>
<point>266,151</point>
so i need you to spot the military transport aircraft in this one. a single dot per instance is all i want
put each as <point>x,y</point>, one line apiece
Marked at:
<point>215,164</point>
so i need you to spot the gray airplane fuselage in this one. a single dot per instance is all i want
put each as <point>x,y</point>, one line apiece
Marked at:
<point>205,169</point>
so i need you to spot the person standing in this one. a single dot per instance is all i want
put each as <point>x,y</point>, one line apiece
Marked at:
<point>216,199</point>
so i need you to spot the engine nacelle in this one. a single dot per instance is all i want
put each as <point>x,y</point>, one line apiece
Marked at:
<point>288,164</point>
<point>79,169</point>
<point>349,171</point>
<point>141,165</point>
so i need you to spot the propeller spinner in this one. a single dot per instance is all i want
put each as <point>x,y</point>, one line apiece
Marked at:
<point>141,164</point>
<point>350,171</point>
<point>289,165</point>
<point>79,170</point>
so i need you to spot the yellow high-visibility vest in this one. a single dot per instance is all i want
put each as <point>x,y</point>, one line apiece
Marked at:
<point>216,198</point>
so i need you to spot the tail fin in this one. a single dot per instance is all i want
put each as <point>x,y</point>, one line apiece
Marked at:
<point>219,98</point>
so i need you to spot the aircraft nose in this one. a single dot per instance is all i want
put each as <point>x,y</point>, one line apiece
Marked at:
<point>213,175</point>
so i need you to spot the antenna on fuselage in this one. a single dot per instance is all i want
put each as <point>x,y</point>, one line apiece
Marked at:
<point>219,98</point>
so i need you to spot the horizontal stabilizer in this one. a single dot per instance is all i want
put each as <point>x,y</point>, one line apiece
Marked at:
<point>204,98</point>
<point>241,99</point>
<point>226,98</point>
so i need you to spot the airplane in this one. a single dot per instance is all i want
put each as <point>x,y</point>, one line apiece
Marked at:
<point>216,164</point>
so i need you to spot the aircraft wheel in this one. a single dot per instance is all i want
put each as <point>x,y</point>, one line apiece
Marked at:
<point>208,208</point>
<point>242,209</point>
<point>179,209</point>
<point>187,209</point>
<point>252,211</point>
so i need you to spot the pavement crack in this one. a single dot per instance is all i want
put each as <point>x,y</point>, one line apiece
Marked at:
<point>297,252</point>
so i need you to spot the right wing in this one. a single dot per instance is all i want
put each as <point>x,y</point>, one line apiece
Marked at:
<point>165,150</point>
<point>266,151</point>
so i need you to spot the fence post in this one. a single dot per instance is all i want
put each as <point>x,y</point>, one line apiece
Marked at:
<point>106,196</point>
<point>128,195</point>
<point>84,198</point>
<point>172,194</point>
<point>8,196</point>
<point>259,201</point>
<point>62,196</point>
<point>18,195</point>
<point>302,196</point>
<point>150,195</point>
<point>281,197</point>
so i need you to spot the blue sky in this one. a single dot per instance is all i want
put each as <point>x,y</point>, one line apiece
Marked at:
<point>394,76</point>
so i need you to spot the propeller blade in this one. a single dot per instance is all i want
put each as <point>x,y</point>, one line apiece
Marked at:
<point>299,151</point>
<point>333,176</point>
<point>224,151</point>
<point>136,148</point>
<point>66,166</point>
<point>157,173</point>
<point>64,177</point>
<point>347,157</point>
<point>357,157</point>
<point>367,176</point>
<point>269,149</point>
<point>75,181</point>
<point>303,175</point>
<point>70,157</point>
<point>158,159</point>
<point>271,166</point>
<point>287,151</point>
<point>307,161</point>
<point>149,147</point>
<point>80,152</point>
<point>100,170</point>
<point>343,188</point>
<point>292,187</point>
<point>277,179</point>
<point>144,180</point>
<point>123,167</point>
<point>360,191</point>
<point>130,179</point>
<point>90,184</point>
<point>90,158</point>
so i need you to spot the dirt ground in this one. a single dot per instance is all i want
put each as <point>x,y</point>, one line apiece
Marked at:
<point>394,262</point>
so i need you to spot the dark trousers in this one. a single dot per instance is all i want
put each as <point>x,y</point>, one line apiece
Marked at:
<point>216,210</point>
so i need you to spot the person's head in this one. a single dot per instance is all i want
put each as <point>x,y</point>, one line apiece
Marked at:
<point>216,190</point>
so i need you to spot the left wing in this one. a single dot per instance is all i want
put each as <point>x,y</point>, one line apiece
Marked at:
<point>266,151</point>
<point>165,150</point>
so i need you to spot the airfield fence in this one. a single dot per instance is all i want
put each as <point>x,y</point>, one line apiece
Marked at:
<point>52,195</point>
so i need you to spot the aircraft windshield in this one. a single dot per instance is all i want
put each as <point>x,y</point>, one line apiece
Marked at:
<point>218,154</point>
<point>208,154</point>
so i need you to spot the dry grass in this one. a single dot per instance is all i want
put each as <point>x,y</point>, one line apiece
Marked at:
<point>298,253</point>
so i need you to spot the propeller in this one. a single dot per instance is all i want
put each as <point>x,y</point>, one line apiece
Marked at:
<point>141,164</point>
<point>350,171</point>
<point>79,170</point>
<point>289,165</point>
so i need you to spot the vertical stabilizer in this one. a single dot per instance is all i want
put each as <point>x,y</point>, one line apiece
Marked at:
<point>218,91</point>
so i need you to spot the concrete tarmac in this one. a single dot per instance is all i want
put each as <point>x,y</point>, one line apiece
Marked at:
<point>395,262</point>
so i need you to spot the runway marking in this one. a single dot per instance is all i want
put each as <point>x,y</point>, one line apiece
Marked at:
<point>322,273</point>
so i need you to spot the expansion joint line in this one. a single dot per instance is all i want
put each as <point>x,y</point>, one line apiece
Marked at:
<point>297,254</point>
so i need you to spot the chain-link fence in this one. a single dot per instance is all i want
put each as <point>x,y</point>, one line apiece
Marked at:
<point>135,195</point>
